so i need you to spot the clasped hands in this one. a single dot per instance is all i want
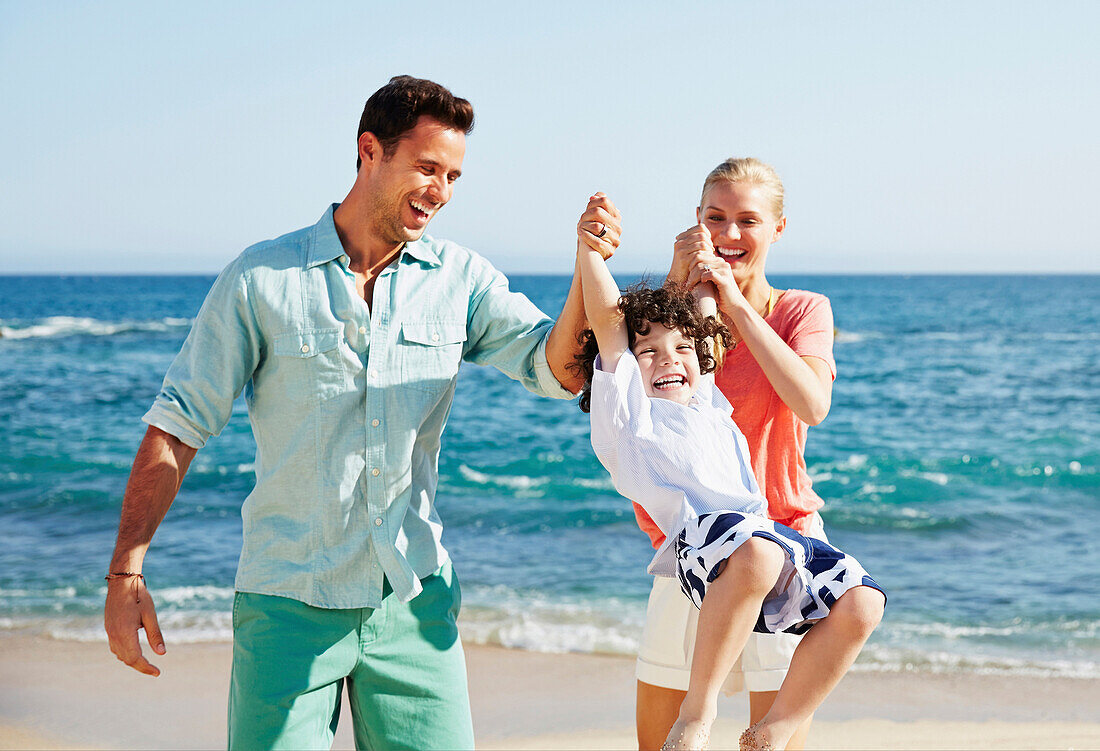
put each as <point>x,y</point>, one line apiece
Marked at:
<point>600,226</point>
<point>695,262</point>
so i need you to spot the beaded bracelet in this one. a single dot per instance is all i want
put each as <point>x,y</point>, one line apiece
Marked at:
<point>127,575</point>
<point>122,575</point>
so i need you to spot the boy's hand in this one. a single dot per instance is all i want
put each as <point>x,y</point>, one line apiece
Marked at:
<point>600,226</point>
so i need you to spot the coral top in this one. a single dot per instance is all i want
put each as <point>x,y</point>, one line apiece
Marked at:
<point>776,435</point>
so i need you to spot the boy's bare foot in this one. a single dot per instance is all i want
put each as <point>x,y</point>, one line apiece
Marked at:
<point>768,735</point>
<point>753,739</point>
<point>687,735</point>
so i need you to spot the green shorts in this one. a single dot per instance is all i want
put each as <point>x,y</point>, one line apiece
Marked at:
<point>403,665</point>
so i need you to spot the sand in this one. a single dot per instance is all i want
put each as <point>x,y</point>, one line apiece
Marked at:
<point>62,695</point>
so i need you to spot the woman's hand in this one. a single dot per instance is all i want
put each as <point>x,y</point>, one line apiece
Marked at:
<point>719,273</point>
<point>693,248</point>
<point>695,262</point>
<point>600,226</point>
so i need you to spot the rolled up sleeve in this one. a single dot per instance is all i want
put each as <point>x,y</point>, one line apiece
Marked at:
<point>217,359</point>
<point>507,331</point>
<point>620,408</point>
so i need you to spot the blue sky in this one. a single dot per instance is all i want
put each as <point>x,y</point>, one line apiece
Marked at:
<point>912,137</point>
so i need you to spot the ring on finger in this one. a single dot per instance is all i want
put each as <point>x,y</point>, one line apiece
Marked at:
<point>602,231</point>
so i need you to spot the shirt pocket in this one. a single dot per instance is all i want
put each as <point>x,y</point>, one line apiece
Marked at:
<point>430,353</point>
<point>312,364</point>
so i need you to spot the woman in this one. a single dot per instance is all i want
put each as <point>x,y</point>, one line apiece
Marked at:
<point>778,376</point>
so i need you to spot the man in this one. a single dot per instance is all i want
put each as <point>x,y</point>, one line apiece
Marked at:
<point>346,338</point>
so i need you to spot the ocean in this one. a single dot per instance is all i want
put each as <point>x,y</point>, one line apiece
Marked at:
<point>960,463</point>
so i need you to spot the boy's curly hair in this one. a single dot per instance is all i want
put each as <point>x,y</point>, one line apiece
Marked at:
<point>671,305</point>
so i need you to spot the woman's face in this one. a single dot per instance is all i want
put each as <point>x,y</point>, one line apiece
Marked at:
<point>742,225</point>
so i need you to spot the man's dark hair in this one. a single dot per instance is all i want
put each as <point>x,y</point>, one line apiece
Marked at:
<point>672,306</point>
<point>392,111</point>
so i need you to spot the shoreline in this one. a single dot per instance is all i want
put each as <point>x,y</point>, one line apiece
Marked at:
<point>59,695</point>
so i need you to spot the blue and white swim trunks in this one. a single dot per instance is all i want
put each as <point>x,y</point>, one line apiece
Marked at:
<point>814,574</point>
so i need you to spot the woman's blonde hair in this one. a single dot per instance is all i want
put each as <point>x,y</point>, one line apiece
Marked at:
<point>747,170</point>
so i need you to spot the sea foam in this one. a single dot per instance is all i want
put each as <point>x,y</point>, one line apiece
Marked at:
<point>57,326</point>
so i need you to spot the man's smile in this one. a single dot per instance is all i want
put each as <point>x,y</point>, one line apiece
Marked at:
<point>422,211</point>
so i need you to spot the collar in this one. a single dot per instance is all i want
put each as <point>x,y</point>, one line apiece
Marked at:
<point>325,245</point>
<point>422,250</point>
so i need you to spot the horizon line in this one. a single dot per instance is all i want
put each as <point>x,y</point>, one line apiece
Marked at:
<point>16,274</point>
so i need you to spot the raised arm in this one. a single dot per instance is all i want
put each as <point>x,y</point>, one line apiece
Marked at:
<point>159,467</point>
<point>601,293</point>
<point>562,344</point>
<point>707,298</point>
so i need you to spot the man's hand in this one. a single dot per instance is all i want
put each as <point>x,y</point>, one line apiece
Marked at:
<point>600,226</point>
<point>159,467</point>
<point>129,608</point>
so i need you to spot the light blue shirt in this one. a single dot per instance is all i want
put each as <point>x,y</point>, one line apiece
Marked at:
<point>347,403</point>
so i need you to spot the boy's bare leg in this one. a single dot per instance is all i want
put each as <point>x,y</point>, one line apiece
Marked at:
<point>820,661</point>
<point>729,612</point>
<point>657,708</point>
<point>760,703</point>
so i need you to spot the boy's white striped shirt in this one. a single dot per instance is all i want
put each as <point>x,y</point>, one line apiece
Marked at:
<point>675,461</point>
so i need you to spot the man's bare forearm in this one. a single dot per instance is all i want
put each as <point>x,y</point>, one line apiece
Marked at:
<point>161,462</point>
<point>564,343</point>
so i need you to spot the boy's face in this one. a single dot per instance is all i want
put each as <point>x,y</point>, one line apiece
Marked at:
<point>669,364</point>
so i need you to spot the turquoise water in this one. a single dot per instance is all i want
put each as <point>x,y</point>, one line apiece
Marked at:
<point>960,464</point>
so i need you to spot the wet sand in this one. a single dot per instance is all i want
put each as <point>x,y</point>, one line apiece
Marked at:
<point>74,695</point>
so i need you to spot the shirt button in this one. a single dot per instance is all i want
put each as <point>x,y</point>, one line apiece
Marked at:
<point>362,329</point>
<point>435,337</point>
<point>378,521</point>
<point>374,423</point>
<point>374,374</point>
<point>305,348</point>
<point>375,471</point>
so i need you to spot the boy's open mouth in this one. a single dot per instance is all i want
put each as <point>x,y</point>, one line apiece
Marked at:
<point>669,382</point>
<point>730,252</point>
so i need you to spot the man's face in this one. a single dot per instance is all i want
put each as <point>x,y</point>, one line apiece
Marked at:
<point>669,364</point>
<point>413,181</point>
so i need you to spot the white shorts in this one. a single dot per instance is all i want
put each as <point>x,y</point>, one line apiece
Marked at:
<point>668,641</point>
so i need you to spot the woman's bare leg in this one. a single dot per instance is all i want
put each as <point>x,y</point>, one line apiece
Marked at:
<point>820,661</point>
<point>760,702</point>
<point>656,709</point>
<point>729,612</point>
